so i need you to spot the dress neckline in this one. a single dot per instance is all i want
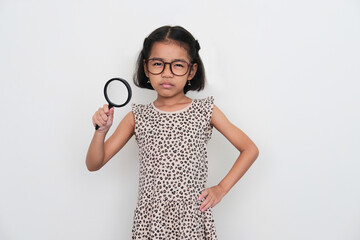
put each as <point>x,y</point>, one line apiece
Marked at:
<point>177,111</point>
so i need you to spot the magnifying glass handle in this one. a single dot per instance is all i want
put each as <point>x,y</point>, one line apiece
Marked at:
<point>110,106</point>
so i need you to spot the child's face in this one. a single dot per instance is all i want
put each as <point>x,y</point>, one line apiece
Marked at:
<point>167,84</point>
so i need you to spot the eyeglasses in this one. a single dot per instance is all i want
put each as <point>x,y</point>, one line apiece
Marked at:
<point>178,67</point>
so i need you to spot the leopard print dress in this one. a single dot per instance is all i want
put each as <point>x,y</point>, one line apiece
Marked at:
<point>173,172</point>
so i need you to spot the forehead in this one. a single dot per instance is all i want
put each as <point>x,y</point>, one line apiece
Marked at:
<point>169,50</point>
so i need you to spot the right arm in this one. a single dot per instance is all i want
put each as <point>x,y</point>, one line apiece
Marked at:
<point>101,152</point>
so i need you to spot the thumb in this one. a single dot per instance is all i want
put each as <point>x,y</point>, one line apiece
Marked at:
<point>112,111</point>
<point>111,116</point>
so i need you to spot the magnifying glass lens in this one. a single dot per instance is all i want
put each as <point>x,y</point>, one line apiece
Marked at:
<point>117,92</point>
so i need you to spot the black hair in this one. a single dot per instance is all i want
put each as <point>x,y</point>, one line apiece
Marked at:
<point>186,40</point>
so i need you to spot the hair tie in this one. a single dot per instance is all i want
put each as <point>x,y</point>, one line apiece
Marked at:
<point>197,45</point>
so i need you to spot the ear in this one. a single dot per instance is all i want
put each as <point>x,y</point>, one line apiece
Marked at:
<point>145,69</point>
<point>193,70</point>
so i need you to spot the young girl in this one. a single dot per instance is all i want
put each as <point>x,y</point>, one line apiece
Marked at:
<point>172,133</point>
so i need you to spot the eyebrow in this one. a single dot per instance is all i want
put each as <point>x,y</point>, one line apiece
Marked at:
<point>177,59</point>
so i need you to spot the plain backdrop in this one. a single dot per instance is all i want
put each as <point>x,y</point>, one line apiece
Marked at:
<point>285,72</point>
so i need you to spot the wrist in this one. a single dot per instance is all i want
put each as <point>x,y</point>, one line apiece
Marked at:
<point>223,188</point>
<point>101,133</point>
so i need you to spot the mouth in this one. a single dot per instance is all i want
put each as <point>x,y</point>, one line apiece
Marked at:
<point>166,85</point>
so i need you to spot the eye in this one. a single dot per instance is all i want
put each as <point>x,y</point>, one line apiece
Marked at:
<point>178,65</point>
<point>156,63</point>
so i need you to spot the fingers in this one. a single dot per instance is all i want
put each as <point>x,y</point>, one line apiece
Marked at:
<point>106,108</point>
<point>207,206</point>
<point>103,116</point>
<point>207,202</point>
<point>212,197</point>
<point>203,194</point>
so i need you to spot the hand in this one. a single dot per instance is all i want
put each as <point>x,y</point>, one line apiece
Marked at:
<point>212,197</point>
<point>103,118</point>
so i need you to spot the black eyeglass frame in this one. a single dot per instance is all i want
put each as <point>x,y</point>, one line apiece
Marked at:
<point>170,63</point>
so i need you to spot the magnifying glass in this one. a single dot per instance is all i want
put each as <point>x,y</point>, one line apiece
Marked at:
<point>117,92</point>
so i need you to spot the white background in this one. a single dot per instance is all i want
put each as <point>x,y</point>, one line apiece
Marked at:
<point>285,72</point>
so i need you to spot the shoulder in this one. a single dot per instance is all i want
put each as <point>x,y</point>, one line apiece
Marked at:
<point>218,118</point>
<point>208,100</point>
<point>205,103</point>
<point>204,107</point>
<point>129,119</point>
<point>139,108</point>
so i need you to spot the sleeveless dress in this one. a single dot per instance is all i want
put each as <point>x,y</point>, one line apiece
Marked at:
<point>173,172</point>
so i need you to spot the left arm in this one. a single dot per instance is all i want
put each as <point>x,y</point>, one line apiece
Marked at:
<point>248,154</point>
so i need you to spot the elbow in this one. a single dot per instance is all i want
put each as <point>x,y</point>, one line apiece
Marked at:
<point>92,168</point>
<point>256,152</point>
<point>253,151</point>
<point>93,164</point>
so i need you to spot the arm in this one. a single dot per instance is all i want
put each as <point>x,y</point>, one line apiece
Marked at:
<point>100,153</point>
<point>248,154</point>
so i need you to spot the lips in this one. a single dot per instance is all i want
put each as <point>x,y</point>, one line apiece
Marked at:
<point>166,85</point>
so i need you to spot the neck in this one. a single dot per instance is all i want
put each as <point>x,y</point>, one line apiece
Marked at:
<point>170,101</point>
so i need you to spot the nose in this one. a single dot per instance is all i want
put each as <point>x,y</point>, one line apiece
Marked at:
<point>167,70</point>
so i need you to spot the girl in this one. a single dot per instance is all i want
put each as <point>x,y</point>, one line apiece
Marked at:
<point>172,133</point>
